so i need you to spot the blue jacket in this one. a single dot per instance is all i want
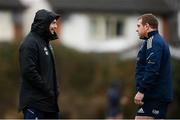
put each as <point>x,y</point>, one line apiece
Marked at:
<point>153,69</point>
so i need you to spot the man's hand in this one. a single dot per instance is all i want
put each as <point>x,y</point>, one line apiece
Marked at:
<point>138,98</point>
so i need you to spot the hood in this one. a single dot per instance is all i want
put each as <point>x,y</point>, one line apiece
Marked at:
<point>41,23</point>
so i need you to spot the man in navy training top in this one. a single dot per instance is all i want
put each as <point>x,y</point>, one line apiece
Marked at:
<point>153,71</point>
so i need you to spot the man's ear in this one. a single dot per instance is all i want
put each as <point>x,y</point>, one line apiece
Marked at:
<point>147,26</point>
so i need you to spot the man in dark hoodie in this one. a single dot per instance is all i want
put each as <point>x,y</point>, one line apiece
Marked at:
<point>39,89</point>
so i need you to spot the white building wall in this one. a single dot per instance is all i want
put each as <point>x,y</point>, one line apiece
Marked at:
<point>76,34</point>
<point>33,7</point>
<point>179,25</point>
<point>6,27</point>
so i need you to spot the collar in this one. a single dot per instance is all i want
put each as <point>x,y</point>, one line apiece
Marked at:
<point>150,34</point>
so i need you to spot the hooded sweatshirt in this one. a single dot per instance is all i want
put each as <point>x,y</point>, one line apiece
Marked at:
<point>39,87</point>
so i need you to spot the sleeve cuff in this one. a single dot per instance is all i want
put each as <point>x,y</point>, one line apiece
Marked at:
<point>141,90</point>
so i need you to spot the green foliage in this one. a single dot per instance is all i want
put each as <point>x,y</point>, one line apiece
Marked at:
<point>9,81</point>
<point>174,107</point>
<point>84,79</point>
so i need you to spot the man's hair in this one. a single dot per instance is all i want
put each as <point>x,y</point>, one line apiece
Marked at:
<point>150,19</point>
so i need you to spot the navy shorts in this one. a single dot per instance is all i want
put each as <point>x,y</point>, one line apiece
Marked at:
<point>155,109</point>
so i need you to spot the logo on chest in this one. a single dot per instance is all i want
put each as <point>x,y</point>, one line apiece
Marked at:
<point>46,51</point>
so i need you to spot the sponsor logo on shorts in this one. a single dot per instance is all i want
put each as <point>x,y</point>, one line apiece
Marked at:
<point>140,110</point>
<point>154,111</point>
